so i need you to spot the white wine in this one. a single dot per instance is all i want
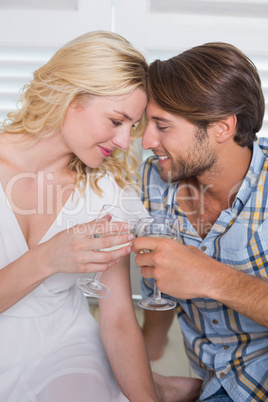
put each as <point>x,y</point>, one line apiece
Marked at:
<point>115,247</point>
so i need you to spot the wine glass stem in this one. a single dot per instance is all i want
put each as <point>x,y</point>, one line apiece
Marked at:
<point>157,293</point>
<point>96,277</point>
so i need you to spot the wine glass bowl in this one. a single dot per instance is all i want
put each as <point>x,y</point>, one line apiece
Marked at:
<point>165,227</point>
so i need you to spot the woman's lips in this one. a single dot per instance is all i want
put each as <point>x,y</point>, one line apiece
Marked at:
<point>105,151</point>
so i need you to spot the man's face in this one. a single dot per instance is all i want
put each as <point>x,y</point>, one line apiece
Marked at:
<point>183,149</point>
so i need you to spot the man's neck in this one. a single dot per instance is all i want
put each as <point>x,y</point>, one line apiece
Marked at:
<point>204,197</point>
<point>221,184</point>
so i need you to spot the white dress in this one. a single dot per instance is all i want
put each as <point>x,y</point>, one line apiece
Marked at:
<point>50,345</point>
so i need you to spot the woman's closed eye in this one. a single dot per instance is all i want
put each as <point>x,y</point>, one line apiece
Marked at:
<point>116,123</point>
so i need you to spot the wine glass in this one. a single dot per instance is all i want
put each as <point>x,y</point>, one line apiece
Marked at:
<point>93,287</point>
<point>168,228</point>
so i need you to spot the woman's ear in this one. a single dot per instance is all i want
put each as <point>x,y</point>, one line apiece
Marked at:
<point>226,128</point>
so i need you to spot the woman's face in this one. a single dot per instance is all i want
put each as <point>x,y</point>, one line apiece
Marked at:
<point>93,130</point>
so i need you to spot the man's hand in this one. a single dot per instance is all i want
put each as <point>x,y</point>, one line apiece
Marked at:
<point>185,272</point>
<point>180,271</point>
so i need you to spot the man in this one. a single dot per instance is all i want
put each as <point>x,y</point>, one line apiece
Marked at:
<point>206,106</point>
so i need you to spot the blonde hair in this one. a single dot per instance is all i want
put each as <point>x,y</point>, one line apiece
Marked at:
<point>97,63</point>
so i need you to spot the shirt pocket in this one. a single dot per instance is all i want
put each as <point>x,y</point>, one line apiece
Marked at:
<point>245,248</point>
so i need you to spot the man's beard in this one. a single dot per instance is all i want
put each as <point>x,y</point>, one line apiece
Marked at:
<point>200,158</point>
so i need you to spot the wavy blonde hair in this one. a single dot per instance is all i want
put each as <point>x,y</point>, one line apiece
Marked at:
<point>97,63</point>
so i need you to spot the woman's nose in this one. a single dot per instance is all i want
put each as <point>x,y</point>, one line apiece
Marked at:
<point>122,139</point>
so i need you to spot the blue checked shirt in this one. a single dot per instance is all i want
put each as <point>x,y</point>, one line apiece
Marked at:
<point>225,348</point>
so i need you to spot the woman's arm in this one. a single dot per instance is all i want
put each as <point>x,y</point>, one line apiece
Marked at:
<point>70,251</point>
<point>122,336</point>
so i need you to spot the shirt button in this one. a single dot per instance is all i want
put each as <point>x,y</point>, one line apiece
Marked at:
<point>203,248</point>
<point>226,347</point>
<point>222,375</point>
<point>215,321</point>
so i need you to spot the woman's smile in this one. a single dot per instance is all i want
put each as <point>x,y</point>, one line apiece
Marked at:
<point>105,151</point>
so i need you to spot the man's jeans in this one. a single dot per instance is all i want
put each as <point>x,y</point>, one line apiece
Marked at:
<point>219,396</point>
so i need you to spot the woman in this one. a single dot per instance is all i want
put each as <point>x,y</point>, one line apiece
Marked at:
<point>62,156</point>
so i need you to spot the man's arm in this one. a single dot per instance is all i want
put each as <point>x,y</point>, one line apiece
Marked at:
<point>185,272</point>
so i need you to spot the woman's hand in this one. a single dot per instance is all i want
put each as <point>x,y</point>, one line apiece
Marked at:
<point>78,249</point>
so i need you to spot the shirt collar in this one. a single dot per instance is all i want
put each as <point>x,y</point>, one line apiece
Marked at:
<point>255,168</point>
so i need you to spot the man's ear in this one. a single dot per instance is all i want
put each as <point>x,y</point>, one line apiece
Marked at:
<point>226,128</point>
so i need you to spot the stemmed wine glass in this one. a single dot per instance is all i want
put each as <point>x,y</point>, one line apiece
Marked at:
<point>93,287</point>
<point>157,227</point>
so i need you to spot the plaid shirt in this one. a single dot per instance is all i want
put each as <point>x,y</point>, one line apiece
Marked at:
<point>225,348</point>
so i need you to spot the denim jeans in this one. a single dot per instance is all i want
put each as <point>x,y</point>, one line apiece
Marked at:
<point>219,396</point>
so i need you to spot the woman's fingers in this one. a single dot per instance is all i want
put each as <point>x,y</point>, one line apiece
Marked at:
<point>102,235</point>
<point>98,228</point>
<point>95,246</point>
<point>101,260</point>
<point>101,244</point>
<point>109,242</point>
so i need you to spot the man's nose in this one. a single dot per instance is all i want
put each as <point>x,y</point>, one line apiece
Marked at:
<point>150,139</point>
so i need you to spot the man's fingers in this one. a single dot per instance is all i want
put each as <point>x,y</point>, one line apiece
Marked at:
<point>144,259</point>
<point>147,272</point>
<point>153,243</point>
<point>145,243</point>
